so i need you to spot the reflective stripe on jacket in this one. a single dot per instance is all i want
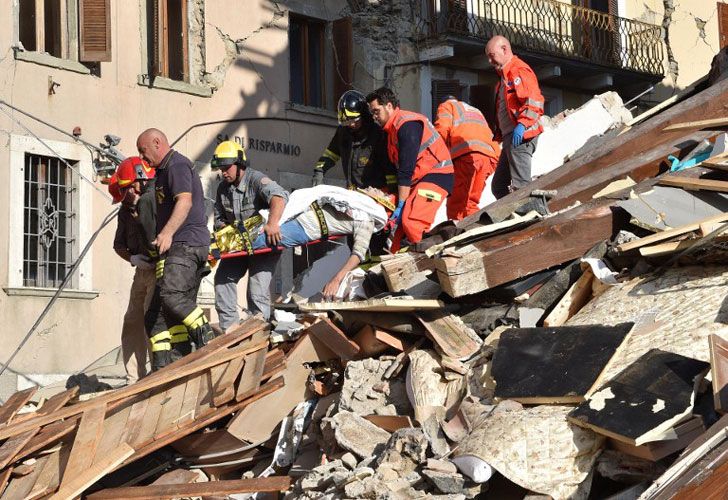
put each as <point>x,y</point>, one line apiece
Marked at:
<point>524,101</point>
<point>433,155</point>
<point>464,130</point>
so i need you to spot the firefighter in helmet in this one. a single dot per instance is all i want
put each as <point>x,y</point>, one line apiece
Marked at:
<point>241,195</point>
<point>360,145</point>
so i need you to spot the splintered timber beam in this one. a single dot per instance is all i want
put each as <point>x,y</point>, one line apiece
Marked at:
<point>504,258</point>
<point>646,136</point>
<point>211,488</point>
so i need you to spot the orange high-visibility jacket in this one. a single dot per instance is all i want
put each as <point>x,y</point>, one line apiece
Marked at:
<point>433,155</point>
<point>464,130</point>
<point>523,97</point>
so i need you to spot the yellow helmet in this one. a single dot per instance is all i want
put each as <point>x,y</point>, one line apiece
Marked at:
<point>228,153</point>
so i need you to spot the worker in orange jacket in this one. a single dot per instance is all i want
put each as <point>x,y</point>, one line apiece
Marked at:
<point>519,105</point>
<point>424,167</point>
<point>474,153</point>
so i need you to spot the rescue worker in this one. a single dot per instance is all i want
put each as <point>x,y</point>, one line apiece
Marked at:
<point>133,185</point>
<point>473,151</point>
<point>242,193</point>
<point>182,241</point>
<point>361,147</point>
<point>424,167</point>
<point>519,105</point>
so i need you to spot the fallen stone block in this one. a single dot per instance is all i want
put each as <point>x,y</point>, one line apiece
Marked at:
<point>357,435</point>
<point>405,450</point>
<point>445,482</point>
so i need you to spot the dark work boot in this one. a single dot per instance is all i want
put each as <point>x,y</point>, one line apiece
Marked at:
<point>160,359</point>
<point>180,349</point>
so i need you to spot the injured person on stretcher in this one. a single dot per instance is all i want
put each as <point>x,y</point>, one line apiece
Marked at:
<point>311,214</point>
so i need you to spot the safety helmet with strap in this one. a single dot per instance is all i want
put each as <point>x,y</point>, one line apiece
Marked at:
<point>352,107</point>
<point>228,153</point>
<point>133,169</point>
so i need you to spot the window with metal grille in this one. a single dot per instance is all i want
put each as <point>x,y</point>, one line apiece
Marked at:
<point>48,216</point>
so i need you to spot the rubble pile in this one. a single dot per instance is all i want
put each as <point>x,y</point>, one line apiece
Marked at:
<point>568,341</point>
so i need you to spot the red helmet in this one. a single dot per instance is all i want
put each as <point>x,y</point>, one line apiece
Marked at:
<point>133,169</point>
<point>114,190</point>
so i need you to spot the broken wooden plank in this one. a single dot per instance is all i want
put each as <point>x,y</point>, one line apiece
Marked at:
<point>405,270</point>
<point>4,478</point>
<point>177,476</point>
<point>50,475</point>
<point>694,184</point>
<point>20,487</point>
<point>390,423</point>
<point>575,298</point>
<point>709,124</point>
<point>212,354</point>
<point>251,375</point>
<point>719,372</point>
<point>114,427</point>
<point>11,448</point>
<point>85,478</point>
<point>211,488</point>
<point>402,304</point>
<point>189,402</point>
<point>14,403</point>
<point>491,262</point>
<point>645,400</point>
<point>134,422</point>
<point>48,435</point>
<point>451,336</point>
<point>247,424</point>
<point>171,405</point>
<point>555,365</point>
<point>336,340</point>
<point>670,233</point>
<point>84,445</point>
<point>224,386</point>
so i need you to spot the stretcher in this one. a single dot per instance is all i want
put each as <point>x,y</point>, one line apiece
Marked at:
<point>243,253</point>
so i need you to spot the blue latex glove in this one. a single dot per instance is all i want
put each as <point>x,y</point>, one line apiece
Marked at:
<point>397,214</point>
<point>518,134</point>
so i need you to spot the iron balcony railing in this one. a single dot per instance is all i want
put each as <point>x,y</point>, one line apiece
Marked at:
<point>549,27</point>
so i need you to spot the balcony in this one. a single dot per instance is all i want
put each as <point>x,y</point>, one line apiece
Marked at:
<point>549,30</point>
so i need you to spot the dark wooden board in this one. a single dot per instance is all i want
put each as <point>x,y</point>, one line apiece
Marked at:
<point>335,339</point>
<point>647,398</point>
<point>211,488</point>
<point>554,365</point>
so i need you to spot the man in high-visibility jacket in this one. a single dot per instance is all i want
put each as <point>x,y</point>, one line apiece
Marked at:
<point>424,166</point>
<point>474,154</point>
<point>519,105</point>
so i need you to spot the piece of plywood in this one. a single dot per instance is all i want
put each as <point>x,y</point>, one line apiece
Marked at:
<point>451,336</point>
<point>573,300</point>
<point>657,450</point>
<point>248,425</point>
<point>14,403</point>
<point>694,184</point>
<point>375,305</point>
<point>84,445</point>
<point>719,372</point>
<point>214,353</point>
<point>554,365</point>
<point>250,377</point>
<point>645,400</point>
<point>85,478</point>
<point>336,340</point>
<point>212,488</point>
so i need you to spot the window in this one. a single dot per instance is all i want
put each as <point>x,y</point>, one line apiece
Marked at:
<point>167,39</point>
<point>48,210</point>
<point>306,39</point>
<point>45,26</point>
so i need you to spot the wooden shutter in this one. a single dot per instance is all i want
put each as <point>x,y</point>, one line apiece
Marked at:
<point>723,24</point>
<point>442,89</point>
<point>343,56</point>
<point>95,30</point>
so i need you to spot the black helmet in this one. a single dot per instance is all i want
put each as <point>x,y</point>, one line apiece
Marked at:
<point>352,107</point>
